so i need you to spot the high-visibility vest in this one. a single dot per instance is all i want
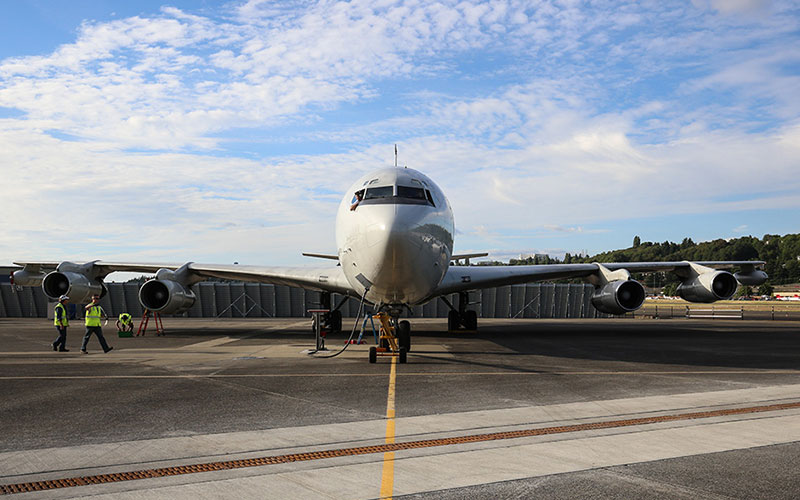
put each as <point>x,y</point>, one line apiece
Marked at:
<point>125,319</point>
<point>93,316</point>
<point>63,321</point>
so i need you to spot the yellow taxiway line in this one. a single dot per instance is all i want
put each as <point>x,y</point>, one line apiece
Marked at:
<point>387,478</point>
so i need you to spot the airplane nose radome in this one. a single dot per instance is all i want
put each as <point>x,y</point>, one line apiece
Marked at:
<point>393,259</point>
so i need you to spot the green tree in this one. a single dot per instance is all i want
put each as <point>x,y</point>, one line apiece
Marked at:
<point>670,289</point>
<point>636,241</point>
<point>765,289</point>
<point>743,291</point>
<point>139,279</point>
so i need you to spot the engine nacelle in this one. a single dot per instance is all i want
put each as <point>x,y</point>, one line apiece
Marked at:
<point>166,296</point>
<point>708,287</point>
<point>618,297</point>
<point>78,287</point>
<point>24,277</point>
<point>753,278</point>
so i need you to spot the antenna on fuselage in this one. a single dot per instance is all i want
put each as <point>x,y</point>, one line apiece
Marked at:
<point>395,156</point>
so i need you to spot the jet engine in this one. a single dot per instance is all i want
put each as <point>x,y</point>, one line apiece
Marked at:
<point>169,293</point>
<point>24,277</point>
<point>618,297</point>
<point>708,287</point>
<point>752,278</point>
<point>77,286</point>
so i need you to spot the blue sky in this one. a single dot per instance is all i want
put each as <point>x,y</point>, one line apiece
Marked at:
<point>228,131</point>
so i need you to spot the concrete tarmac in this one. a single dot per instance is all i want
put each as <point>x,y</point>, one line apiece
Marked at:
<point>589,409</point>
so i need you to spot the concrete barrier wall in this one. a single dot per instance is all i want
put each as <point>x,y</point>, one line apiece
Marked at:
<point>255,300</point>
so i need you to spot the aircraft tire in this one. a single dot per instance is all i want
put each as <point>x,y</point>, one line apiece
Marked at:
<point>452,320</point>
<point>471,320</point>
<point>373,354</point>
<point>336,321</point>
<point>404,335</point>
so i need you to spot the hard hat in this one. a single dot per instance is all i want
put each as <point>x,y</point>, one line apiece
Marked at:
<point>62,298</point>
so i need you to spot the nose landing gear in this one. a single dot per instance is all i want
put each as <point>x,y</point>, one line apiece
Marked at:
<point>395,341</point>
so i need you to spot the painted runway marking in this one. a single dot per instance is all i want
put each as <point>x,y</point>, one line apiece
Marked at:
<point>226,340</point>
<point>387,477</point>
<point>384,448</point>
<point>410,374</point>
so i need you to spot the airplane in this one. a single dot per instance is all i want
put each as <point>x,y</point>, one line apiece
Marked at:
<point>394,238</point>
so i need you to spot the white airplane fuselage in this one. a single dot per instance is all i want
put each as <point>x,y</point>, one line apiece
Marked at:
<point>399,239</point>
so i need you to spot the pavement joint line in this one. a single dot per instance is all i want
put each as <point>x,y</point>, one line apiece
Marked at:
<point>385,448</point>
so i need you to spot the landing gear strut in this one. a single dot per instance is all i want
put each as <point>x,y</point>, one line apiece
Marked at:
<point>461,317</point>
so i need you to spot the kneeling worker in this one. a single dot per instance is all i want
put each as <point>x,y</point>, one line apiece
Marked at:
<point>125,323</point>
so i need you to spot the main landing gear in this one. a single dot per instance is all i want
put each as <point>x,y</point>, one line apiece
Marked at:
<point>331,321</point>
<point>395,340</point>
<point>461,317</point>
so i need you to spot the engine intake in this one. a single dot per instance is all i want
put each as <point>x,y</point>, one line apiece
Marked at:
<point>166,296</point>
<point>618,297</point>
<point>78,287</point>
<point>709,287</point>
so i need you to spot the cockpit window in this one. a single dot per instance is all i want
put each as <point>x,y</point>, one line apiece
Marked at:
<point>410,192</point>
<point>430,198</point>
<point>379,192</point>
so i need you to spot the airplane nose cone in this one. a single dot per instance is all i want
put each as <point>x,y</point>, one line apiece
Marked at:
<point>396,259</point>
<point>389,239</point>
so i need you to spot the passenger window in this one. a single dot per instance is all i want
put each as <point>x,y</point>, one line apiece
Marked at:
<point>410,192</point>
<point>379,192</point>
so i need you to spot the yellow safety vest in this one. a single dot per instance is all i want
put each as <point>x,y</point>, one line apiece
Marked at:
<point>64,321</point>
<point>93,316</point>
<point>125,319</point>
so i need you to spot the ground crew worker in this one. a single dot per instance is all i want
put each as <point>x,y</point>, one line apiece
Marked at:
<point>125,323</point>
<point>62,322</point>
<point>94,314</point>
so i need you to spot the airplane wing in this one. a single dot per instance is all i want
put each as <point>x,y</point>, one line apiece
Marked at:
<point>465,278</point>
<point>326,279</point>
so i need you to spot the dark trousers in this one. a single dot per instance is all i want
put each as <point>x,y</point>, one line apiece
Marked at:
<point>97,331</point>
<point>61,341</point>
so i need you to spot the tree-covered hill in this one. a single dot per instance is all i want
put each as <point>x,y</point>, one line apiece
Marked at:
<point>781,253</point>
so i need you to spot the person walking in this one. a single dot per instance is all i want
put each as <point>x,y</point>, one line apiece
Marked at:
<point>94,314</point>
<point>62,322</point>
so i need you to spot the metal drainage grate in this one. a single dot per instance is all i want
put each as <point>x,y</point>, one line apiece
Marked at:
<point>365,450</point>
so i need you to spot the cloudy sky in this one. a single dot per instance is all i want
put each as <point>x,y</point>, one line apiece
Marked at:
<point>222,132</point>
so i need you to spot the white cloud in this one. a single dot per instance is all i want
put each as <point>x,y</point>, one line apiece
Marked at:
<point>739,6</point>
<point>530,115</point>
